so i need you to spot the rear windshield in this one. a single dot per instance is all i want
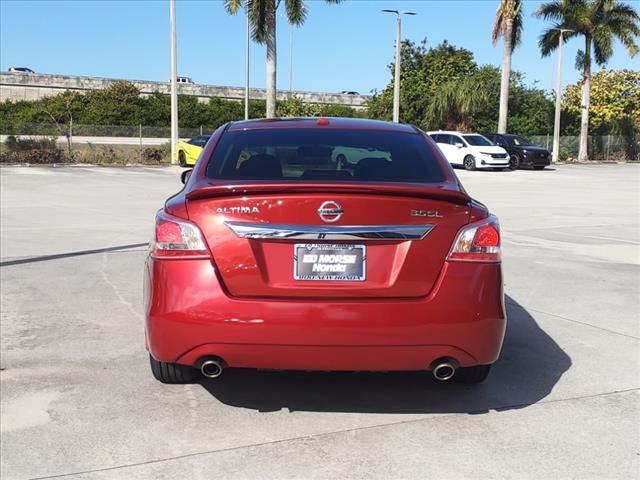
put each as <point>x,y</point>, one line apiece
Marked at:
<point>324,154</point>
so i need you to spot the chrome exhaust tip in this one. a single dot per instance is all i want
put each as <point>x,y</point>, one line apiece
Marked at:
<point>211,368</point>
<point>444,371</point>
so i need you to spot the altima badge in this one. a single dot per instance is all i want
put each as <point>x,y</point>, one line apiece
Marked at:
<point>236,210</point>
<point>426,213</point>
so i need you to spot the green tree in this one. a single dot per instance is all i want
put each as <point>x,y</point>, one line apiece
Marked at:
<point>262,15</point>
<point>295,107</point>
<point>118,104</point>
<point>508,25</point>
<point>62,109</point>
<point>156,110</point>
<point>424,73</point>
<point>599,22</point>
<point>614,94</point>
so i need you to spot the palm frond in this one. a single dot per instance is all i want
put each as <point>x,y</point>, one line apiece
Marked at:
<point>233,6</point>
<point>498,25</point>
<point>516,30</point>
<point>548,41</point>
<point>258,14</point>
<point>551,11</point>
<point>296,11</point>
<point>602,45</point>
<point>580,60</point>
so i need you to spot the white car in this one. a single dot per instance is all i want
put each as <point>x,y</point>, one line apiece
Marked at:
<point>470,150</point>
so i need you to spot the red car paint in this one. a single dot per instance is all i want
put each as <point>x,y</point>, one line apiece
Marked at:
<point>237,299</point>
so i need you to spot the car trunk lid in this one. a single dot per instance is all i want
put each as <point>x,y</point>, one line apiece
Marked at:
<point>395,237</point>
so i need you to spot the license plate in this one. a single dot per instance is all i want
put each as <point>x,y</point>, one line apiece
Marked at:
<point>346,263</point>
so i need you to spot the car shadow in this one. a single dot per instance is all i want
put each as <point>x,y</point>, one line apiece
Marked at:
<point>530,365</point>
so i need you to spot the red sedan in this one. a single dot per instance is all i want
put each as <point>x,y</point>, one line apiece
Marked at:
<point>323,244</point>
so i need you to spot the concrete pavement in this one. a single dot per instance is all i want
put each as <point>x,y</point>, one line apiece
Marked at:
<point>78,399</point>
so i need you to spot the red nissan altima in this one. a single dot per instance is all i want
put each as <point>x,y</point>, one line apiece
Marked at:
<point>323,244</point>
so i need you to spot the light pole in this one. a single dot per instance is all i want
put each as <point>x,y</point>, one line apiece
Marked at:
<point>556,123</point>
<point>246,67</point>
<point>290,60</point>
<point>396,80</point>
<point>174,81</point>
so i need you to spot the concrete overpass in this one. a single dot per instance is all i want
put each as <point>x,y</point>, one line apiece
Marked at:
<point>32,86</point>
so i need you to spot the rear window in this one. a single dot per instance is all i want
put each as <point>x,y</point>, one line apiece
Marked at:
<point>324,154</point>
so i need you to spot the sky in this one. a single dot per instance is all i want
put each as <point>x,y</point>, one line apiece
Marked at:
<point>340,47</point>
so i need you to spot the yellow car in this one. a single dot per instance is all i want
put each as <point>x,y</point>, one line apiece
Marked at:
<point>188,151</point>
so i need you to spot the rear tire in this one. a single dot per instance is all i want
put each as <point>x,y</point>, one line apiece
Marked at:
<point>539,167</point>
<point>469,163</point>
<point>477,374</point>
<point>171,372</point>
<point>182,158</point>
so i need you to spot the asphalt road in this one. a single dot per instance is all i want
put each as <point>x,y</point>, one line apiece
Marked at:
<point>78,399</point>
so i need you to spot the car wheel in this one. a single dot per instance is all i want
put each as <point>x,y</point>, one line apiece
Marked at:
<point>469,163</point>
<point>182,158</point>
<point>514,161</point>
<point>477,374</point>
<point>171,372</point>
<point>539,167</point>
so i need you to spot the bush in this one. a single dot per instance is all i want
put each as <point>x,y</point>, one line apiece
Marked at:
<point>33,156</point>
<point>160,154</point>
<point>33,151</point>
<point>16,144</point>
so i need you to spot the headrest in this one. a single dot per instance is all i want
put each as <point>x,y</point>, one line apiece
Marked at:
<point>373,168</point>
<point>261,165</point>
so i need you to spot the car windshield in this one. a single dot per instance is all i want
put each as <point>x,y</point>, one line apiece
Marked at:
<point>324,154</point>
<point>200,140</point>
<point>519,141</point>
<point>477,140</point>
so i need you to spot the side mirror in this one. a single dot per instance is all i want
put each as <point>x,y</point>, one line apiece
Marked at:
<point>459,145</point>
<point>184,176</point>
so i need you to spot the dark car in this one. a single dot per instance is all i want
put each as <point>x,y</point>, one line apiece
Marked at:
<point>521,151</point>
<point>20,70</point>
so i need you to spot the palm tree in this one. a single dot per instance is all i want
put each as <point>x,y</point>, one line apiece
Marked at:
<point>457,101</point>
<point>600,22</point>
<point>262,15</point>
<point>508,25</point>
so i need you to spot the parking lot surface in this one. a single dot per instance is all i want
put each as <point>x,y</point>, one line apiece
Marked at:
<point>79,401</point>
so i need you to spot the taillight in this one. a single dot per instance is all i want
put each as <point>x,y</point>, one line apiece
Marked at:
<point>478,242</point>
<point>175,237</point>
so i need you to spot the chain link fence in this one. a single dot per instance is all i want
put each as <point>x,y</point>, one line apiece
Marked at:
<point>601,147</point>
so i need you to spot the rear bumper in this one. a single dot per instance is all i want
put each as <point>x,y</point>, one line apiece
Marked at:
<point>189,316</point>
